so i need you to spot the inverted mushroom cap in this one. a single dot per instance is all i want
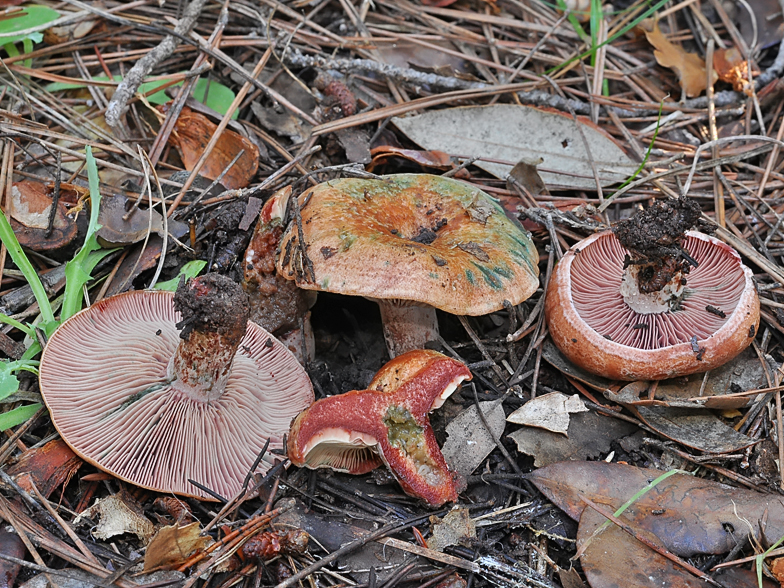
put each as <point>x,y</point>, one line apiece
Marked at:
<point>105,378</point>
<point>416,237</point>
<point>593,321</point>
<point>344,432</point>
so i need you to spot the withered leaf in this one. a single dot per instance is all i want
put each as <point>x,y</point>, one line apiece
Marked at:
<point>733,69</point>
<point>191,135</point>
<point>474,250</point>
<point>690,67</point>
<point>172,545</point>
<point>693,515</point>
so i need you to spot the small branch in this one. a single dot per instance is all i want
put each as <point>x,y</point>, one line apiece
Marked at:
<point>145,65</point>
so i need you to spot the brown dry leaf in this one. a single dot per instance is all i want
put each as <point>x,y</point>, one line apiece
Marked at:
<point>118,514</point>
<point>29,207</point>
<point>191,135</point>
<point>693,515</point>
<point>733,69</point>
<point>173,545</point>
<point>549,411</point>
<point>690,67</point>
<point>456,526</point>
<point>614,558</point>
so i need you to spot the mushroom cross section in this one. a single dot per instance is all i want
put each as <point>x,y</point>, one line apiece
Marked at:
<point>355,431</point>
<point>134,399</point>
<point>602,322</point>
<point>410,239</point>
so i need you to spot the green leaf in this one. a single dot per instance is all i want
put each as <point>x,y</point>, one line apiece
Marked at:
<point>77,271</point>
<point>17,416</point>
<point>219,97</point>
<point>34,16</point>
<point>8,383</point>
<point>189,270</point>
<point>11,243</point>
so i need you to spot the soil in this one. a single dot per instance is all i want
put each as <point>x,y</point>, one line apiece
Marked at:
<point>212,303</point>
<point>654,238</point>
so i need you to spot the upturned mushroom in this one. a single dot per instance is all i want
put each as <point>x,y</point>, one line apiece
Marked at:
<point>413,243</point>
<point>355,432</point>
<point>651,320</point>
<point>155,406</point>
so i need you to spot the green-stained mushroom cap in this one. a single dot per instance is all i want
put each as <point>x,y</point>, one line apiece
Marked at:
<point>410,237</point>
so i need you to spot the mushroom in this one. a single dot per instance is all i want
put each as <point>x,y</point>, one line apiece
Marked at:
<point>158,408</point>
<point>277,304</point>
<point>603,320</point>
<point>412,243</point>
<point>354,432</point>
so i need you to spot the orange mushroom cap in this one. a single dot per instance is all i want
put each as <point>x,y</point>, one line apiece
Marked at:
<point>416,237</point>
<point>353,432</point>
<point>590,321</point>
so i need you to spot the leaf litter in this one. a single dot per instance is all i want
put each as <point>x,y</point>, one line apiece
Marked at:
<point>491,97</point>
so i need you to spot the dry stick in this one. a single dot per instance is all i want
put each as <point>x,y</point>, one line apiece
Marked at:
<point>727,159</point>
<point>145,65</point>
<point>6,514</point>
<point>216,135</point>
<point>718,188</point>
<point>482,350</point>
<point>771,161</point>
<point>65,526</point>
<point>495,439</point>
<point>356,544</point>
<point>648,543</point>
<point>6,173</point>
<point>179,102</point>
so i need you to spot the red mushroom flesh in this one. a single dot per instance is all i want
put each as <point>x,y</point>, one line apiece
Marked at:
<point>132,398</point>
<point>698,321</point>
<point>344,431</point>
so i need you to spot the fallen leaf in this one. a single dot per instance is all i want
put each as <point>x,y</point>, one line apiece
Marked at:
<point>504,134</point>
<point>614,558</point>
<point>29,206</point>
<point>692,515</point>
<point>526,176</point>
<point>173,545</point>
<point>192,133</point>
<point>589,437</point>
<point>427,159</point>
<point>777,569</point>
<point>698,429</point>
<point>118,514</point>
<point>456,526</point>
<point>469,443</point>
<point>117,231</point>
<point>550,412</point>
<point>690,67</point>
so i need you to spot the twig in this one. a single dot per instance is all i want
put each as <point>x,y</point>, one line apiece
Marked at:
<point>145,65</point>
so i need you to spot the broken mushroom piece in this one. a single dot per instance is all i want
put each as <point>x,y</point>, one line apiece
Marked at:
<point>355,431</point>
<point>413,243</point>
<point>277,304</point>
<point>157,407</point>
<point>602,321</point>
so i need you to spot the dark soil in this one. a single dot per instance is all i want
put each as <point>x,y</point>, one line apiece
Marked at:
<point>212,303</point>
<point>655,236</point>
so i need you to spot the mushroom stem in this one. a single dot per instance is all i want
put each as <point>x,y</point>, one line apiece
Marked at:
<point>214,320</point>
<point>407,325</point>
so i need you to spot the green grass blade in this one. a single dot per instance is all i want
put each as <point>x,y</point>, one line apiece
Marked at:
<point>77,271</point>
<point>20,259</point>
<point>189,270</point>
<point>17,416</point>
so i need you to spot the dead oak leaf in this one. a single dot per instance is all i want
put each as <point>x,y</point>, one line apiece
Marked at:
<point>733,69</point>
<point>690,67</point>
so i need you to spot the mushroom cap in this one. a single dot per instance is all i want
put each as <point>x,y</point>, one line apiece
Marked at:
<point>415,237</point>
<point>344,432</point>
<point>593,326</point>
<point>103,376</point>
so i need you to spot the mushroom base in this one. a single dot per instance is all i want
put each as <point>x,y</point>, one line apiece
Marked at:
<point>407,326</point>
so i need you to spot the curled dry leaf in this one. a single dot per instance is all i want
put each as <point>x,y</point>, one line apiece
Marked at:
<point>173,545</point>
<point>550,411</point>
<point>118,514</point>
<point>30,206</point>
<point>191,135</point>
<point>733,69</point>
<point>690,67</point>
<point>456,526</point>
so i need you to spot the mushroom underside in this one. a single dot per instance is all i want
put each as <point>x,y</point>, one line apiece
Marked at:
<point>123,415</point>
